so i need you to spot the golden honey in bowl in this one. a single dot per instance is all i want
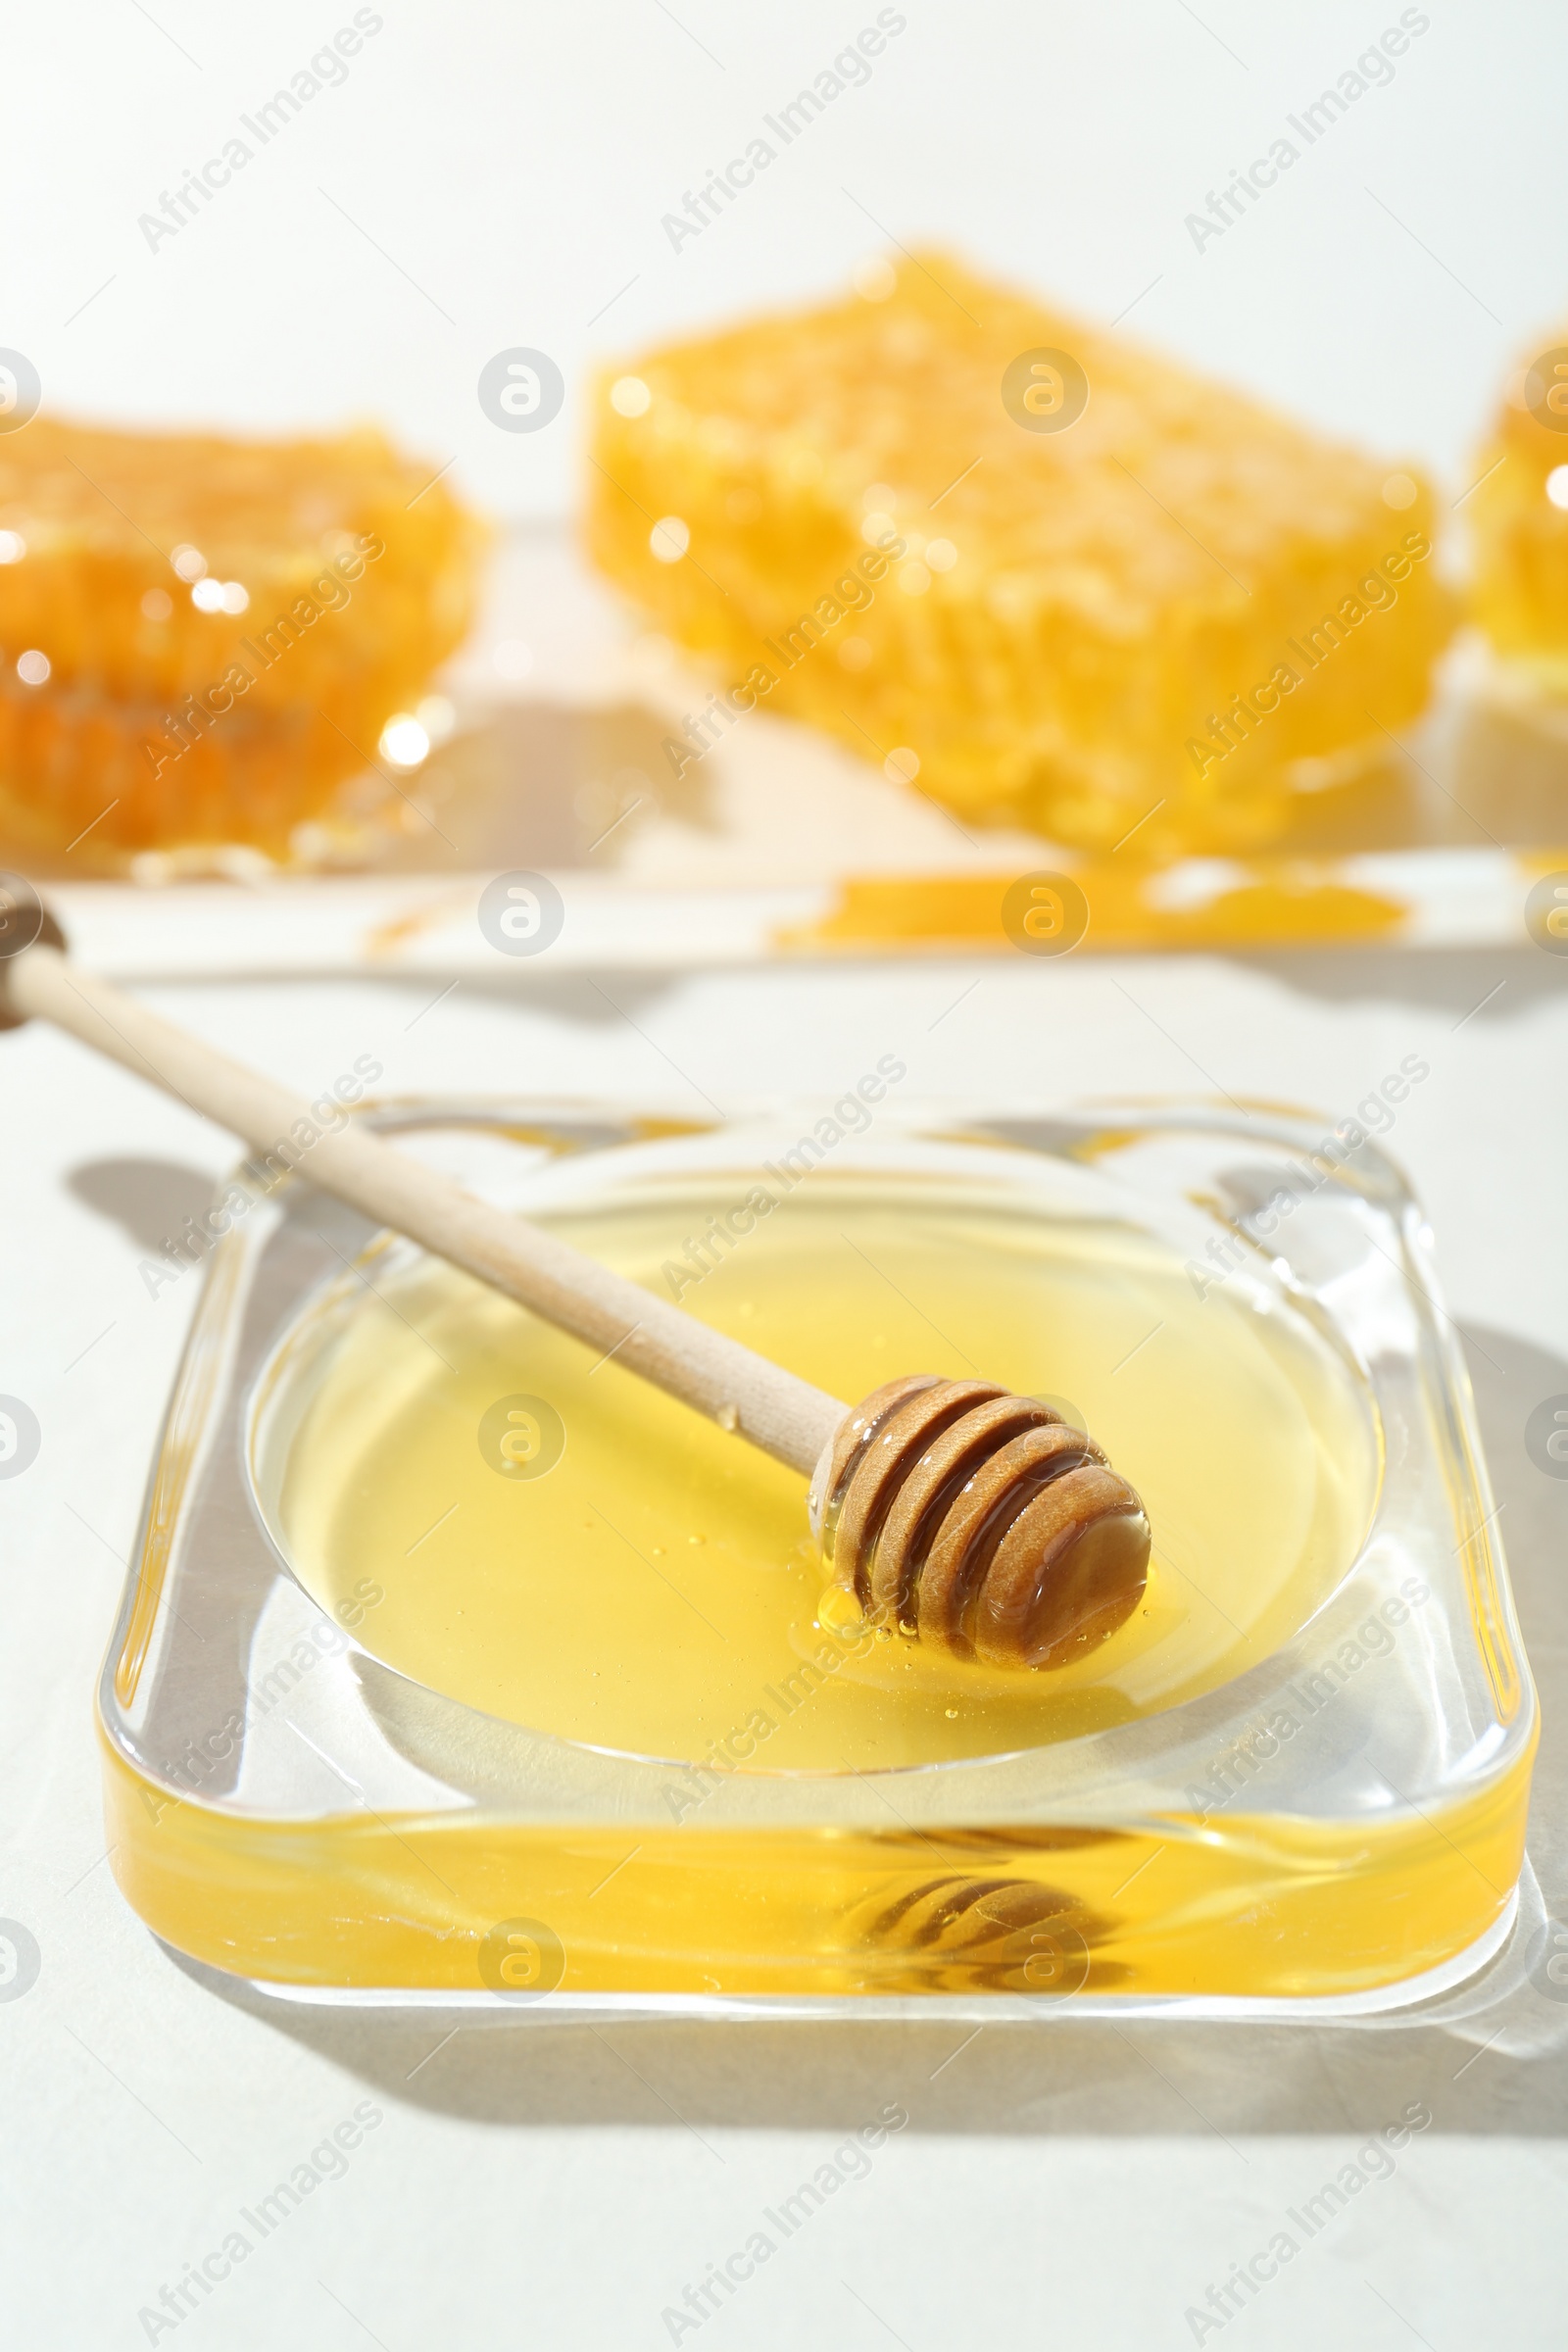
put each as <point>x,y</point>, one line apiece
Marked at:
<point>655,1591</point>
<point>595,1679</point>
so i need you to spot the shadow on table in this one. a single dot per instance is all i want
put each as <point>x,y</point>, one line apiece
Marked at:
<point>1483,983</point>
<point>1059,2077</point>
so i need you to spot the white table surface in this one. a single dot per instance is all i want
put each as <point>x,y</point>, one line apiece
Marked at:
<point>564,2186</point>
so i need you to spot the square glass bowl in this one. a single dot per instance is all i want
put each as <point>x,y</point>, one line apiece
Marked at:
<point>455,1668</point>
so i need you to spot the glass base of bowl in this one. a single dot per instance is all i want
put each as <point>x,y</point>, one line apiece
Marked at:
<point>400,1712</point>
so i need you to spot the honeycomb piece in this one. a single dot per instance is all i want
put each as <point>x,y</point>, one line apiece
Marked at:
<point>199,638</point>
<point>75,770</point>
<point>1168,611</point>
<point>1519,522</point>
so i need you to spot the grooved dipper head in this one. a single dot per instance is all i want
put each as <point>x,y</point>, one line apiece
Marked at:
<point>980,1521</point>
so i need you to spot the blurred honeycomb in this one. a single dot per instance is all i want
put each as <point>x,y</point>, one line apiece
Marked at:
<point>200,638</point>
<point>1519,521</point>
<point>1168,610</point>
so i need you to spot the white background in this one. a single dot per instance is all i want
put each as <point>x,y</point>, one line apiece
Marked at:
<point>550,2187</point>
<point>515,164</point>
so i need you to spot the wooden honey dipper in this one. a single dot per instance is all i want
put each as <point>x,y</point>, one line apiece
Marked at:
<point>979,1521</point>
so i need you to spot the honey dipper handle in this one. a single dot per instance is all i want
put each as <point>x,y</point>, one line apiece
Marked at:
<point>786,1417</point>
